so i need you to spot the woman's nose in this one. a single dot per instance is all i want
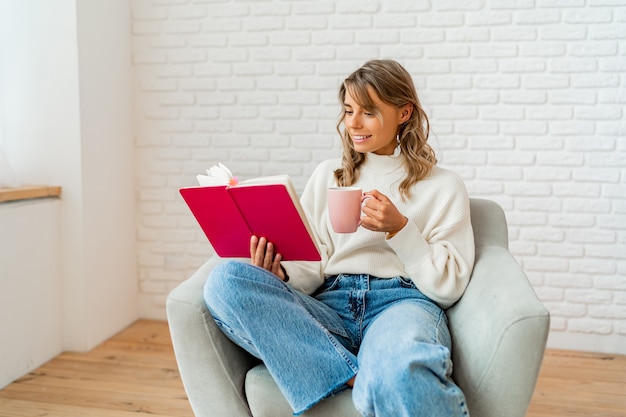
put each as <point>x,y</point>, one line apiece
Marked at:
<point>352,121</point>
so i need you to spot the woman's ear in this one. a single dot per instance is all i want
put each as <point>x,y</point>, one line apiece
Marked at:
<point>405,112</point>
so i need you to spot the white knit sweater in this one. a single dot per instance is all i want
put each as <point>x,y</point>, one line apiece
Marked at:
<point>435,249</point>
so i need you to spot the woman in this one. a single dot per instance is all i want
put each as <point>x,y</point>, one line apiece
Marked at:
<point>370,314</point>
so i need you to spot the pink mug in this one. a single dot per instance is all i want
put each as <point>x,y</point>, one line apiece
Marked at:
<point>344,208</point>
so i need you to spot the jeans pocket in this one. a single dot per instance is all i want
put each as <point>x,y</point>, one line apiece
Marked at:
<point>329,283</point>
<point>405,282</point>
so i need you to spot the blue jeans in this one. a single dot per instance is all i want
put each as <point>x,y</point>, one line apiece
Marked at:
<point>385,330</point>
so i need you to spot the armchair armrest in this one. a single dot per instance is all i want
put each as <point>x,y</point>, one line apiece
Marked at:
<point>204,354</point>
<point>499,327</point>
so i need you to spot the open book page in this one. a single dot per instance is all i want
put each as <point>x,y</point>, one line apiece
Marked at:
<point>217,175</point>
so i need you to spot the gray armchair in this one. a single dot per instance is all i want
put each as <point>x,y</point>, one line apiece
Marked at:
<point>499,331</point>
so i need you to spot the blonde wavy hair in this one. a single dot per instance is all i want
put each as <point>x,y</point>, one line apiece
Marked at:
<point>394,86</point>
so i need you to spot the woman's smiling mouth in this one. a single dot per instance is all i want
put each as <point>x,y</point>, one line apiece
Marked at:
<point>360,138</point>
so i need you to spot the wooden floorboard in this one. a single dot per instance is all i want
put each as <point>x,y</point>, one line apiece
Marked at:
<point>580,384</point>
<point>135,372</point>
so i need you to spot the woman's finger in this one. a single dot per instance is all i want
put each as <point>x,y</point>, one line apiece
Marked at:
<point>276,269</point>
<point>268,259</point>
<point>258,256</point>
<point>381,214</point>
<point>254,242</point>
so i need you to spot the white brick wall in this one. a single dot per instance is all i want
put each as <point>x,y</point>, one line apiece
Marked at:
<point>526,98</point>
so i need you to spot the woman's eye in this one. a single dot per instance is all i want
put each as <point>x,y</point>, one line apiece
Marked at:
<point>349,112</point>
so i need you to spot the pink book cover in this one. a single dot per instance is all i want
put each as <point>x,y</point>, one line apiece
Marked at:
<point>229,216</point>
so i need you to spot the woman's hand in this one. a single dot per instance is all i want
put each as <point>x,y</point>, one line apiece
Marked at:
<point>381,215</point>
<point>262,255</point>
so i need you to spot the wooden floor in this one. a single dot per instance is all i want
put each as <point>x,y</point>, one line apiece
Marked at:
<point>135,372</point>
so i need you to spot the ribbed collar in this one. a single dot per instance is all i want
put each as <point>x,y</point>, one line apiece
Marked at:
<point>383,164</point>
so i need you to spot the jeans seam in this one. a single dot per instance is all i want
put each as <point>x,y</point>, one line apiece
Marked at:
<point>437,327</point>
<point>329,335</point>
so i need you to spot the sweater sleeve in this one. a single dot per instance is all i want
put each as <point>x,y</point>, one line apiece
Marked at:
<point>440,258</point>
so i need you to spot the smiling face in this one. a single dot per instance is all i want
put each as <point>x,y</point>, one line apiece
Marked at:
<point>373,126</point>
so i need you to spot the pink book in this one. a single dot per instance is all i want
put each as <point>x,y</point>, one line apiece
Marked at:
<point>266,207</point>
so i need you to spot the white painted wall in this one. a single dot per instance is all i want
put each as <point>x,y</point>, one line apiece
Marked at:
<point>109,273</point>
<point>67,106</point>
<point>526,98</point>
<point>31,313</point>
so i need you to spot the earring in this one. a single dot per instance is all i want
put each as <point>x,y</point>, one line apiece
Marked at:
<point>396,152</point>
